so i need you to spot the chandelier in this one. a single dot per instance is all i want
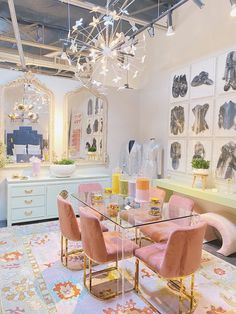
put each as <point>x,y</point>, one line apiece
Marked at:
<point>24,110</point>
<point>106,50</point>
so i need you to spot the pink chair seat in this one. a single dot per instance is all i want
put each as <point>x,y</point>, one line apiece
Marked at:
<point>152,255</point>
<point>159,232</point>
<point>113,243</point>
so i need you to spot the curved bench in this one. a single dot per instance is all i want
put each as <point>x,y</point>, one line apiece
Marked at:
<point>225,224</point>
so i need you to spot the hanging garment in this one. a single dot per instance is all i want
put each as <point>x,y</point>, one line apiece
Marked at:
<point>226,165</point>
<point>131,158</point>
<point>200,124</point>
<point>227,114</point>
<point>230,71</point>
<point>152,159</point>
<point>175,154</point>
<point>177,120</point>
<point>199,151</point>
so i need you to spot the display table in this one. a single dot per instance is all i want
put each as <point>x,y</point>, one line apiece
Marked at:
<point>224,199</point>
<point>36,198</point>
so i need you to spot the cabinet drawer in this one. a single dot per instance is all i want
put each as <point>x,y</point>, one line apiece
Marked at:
<point>28,201</point>
<point>27,190</point>
<point>27,213</point>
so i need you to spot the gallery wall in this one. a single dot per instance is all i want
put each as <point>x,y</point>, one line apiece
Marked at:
<point>123,117</point>
<point>200,35</point>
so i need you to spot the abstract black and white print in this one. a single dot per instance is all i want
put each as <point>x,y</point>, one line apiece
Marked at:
<point>200,148</point>
<point>225,116</point>
<point>226,160</point>
<point>178,119</point>
<point>203,78</point>
<point>180,85</point>
<point>226,72</point>
<point>177,155</point>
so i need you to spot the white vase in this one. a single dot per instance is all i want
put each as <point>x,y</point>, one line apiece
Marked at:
<point>62,171</point>
<point>201,171</point>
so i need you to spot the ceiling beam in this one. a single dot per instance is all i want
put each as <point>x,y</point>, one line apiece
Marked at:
<point>89,6</point>
<point>16,32</point>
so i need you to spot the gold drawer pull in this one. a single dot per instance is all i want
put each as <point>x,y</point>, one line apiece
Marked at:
<point>28,191</point>
<point>28,202</point>
<point>28,213</point>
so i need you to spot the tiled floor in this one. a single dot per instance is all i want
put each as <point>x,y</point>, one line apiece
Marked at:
<point>210,247</point>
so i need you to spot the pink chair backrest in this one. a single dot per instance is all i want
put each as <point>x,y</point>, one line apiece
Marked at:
<point>92,237</point>
<point>183,251</point>
<point>159,193</point>
<point>85,190</point>
<point>67,219</point>
<point>180,205</point>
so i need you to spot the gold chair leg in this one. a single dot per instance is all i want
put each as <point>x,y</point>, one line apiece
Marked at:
<point>192,293</point>
<point>117,265</point>
<point>90,274</point>
<point>66,253</point>
<point>136,278</point>
<point>85,262</point>
<point>62,248</point>
<point>181,296</point>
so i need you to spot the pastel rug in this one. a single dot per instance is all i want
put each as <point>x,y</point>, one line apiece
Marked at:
<point>32,280</point>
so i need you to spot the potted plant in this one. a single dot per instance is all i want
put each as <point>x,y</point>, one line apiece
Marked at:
<point>62,168</point>
<point>200,166</point>
<point>92,152</point>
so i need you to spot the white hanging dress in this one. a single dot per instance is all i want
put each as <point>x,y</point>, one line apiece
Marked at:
<point>131,158</point>
<point>152,159</point>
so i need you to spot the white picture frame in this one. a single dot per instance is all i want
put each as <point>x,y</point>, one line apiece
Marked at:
<point>178,119</point>
<point>201,117</point>
<point>199,148</point>
<point>179,90</point>
<point>225,116</point>
<point>203,77</point>
<point>177,149</point>
<point>222,74</point>
<point>224,161</point>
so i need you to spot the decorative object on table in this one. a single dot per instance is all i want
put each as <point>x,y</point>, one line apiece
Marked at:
<point>92,153</point>
<point>63,168</point>
<point>225,159</point>
<point>152,159</point>
<point>200,170</point>
<point>142,190</point>
<point>155,209</point>
<point>113,209</point>
<point>108,191</point>
<point>96,198</point>
<point>123,185</point>
<point>132,188</point>
<point>36,166</point>
<point>116,181</point>
<point>131,158</point>
<point>105,47</point>
<point>180,85</point>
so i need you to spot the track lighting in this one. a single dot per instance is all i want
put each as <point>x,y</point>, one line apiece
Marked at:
<point>233,8</point>
<point>151,31</point>
<point>199,3</point>
<point>170,30</point>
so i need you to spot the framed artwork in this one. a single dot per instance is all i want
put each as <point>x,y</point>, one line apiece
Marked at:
<point>224,159</point>
<point>225,116</point>
<point>176,153</point>
<point>198,148</point>
<point>178,119</point>
<point>180,85</point>
<point>201,117</point>
<point>226,72</point>
<point>202,81</point>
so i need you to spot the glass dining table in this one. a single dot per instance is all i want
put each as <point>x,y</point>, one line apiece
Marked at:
<point>125,216</point>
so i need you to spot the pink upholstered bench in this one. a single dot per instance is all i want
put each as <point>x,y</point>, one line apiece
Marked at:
<point>225,224</point>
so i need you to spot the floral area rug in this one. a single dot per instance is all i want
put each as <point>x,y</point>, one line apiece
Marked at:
<point>32,280</point>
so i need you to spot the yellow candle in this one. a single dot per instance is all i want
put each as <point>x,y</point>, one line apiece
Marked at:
<point>115,183</point>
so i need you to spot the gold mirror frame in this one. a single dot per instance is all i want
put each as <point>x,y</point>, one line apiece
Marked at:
<point>29,78</point>
<point>104,160</point>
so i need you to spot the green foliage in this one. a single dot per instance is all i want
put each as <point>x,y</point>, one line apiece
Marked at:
<point>92,149</point>
<point>200,163</point>
<point>64,161</point>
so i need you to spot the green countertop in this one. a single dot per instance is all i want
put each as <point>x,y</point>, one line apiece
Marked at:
<point>209,195</point>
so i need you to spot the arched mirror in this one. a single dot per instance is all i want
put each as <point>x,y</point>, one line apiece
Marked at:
<point>26,109</point>
<point>86,125</point>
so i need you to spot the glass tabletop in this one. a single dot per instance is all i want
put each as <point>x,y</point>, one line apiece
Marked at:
<point>126,213</point>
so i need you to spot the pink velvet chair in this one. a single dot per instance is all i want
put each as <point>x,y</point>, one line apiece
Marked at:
<point>101,247</point>
<point>178,258</point>
<point>161,231</point>
<point>85,191</point>
<point>69,226</point>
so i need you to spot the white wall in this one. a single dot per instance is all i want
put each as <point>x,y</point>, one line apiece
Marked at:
<point>123,117</point>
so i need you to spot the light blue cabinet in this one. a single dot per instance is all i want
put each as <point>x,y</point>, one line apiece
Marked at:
<point>36,199</point>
